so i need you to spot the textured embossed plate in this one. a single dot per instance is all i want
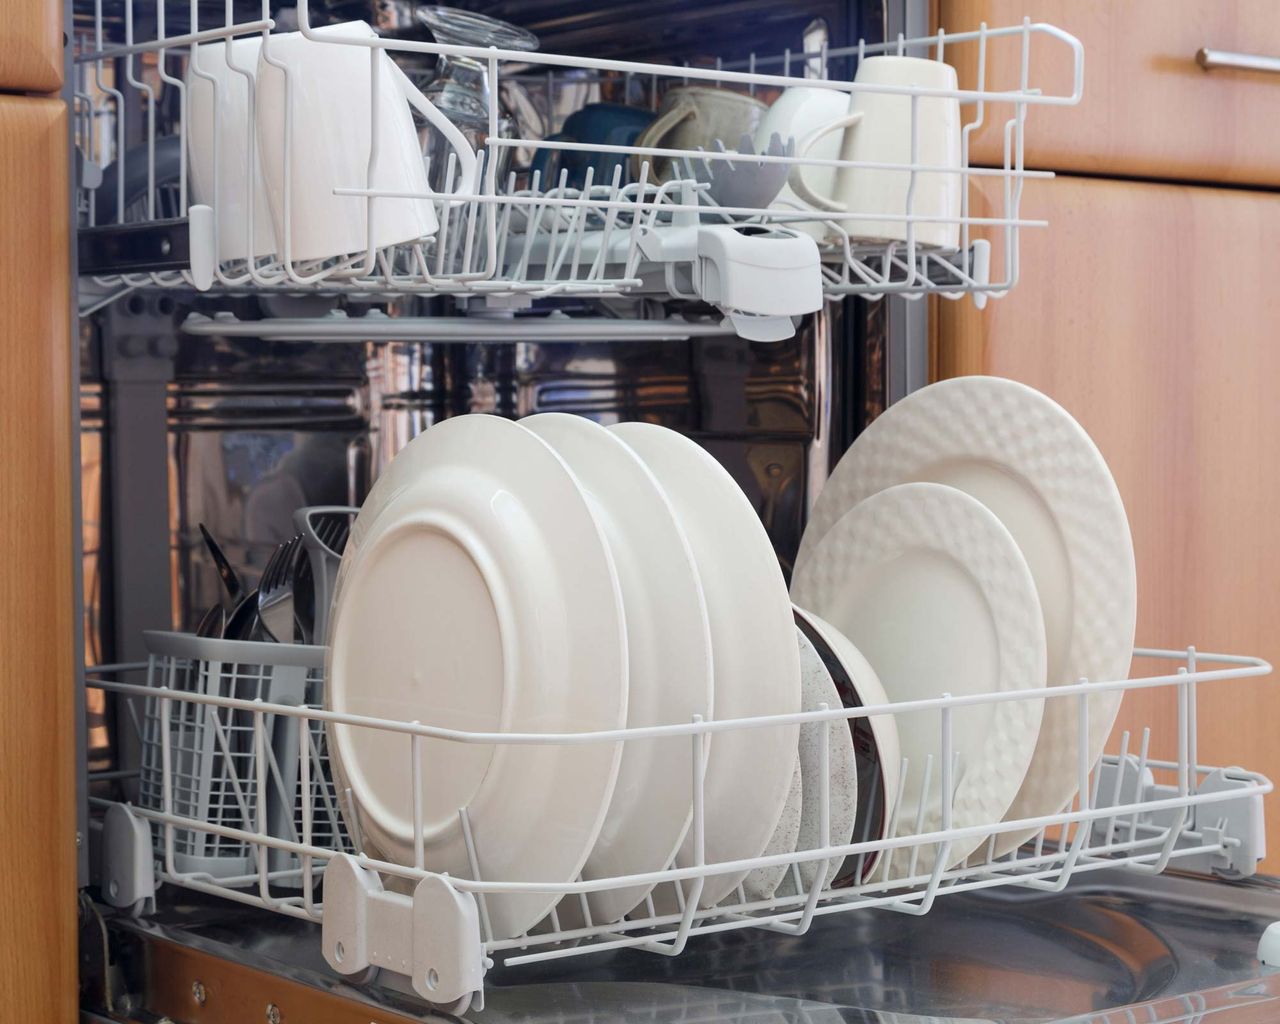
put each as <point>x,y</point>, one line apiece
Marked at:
<point>1025,458</point>
<point>931,588</point>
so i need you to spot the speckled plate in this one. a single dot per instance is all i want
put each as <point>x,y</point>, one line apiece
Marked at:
<point>842,772</point>
<point>1025,458</point>
<point>931,588</point>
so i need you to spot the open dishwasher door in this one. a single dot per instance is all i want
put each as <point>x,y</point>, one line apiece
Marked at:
<point>1113,948</point>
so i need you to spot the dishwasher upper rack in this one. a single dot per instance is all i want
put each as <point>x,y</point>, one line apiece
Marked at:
<point>510,243</point>
<point>1131,810</point>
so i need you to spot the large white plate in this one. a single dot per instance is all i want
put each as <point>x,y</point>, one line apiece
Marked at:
<point>1025,458</point>
<point>668,645</point>
<point>931,588</point>
<point>478,592</point>
<point>877,750</point>
<point>756,660</point>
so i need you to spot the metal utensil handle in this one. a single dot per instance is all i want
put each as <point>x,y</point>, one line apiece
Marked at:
<point>324,560</point>
<point>1211,59</point>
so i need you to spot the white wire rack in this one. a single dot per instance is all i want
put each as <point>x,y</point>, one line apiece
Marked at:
<point>1132,810</point>
<point>518,235</point>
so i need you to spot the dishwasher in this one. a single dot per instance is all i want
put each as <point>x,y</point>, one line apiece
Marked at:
<point>571,244</point>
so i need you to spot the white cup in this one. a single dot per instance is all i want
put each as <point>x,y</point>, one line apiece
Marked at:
<point>694,117</point>
<point>219,132</point>
<point>878,129</point>
<point>797,114</point>
<point>328,92</point>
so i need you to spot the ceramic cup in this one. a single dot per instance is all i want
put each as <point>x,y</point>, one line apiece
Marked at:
<point>327,89</point>
<point>609,124</point>
<point>218,78</point>
<point>693,117</point>
<point>877,128</point>
<point>797,114</point>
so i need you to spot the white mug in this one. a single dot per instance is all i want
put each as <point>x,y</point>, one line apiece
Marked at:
<point>329,88</point>
<point>218,104</point>
<point>797,114</point>
<point>878,129</point>
<point>694,117</point>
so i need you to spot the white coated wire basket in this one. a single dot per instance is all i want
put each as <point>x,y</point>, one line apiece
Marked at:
<point>512,235</point>
<point>201,762</point>
<point>1132,810</point>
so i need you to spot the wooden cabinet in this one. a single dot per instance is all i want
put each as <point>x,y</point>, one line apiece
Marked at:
<point>1151,312</point>
<point>1149,110</point>
<point>37,642</point>
<point>31,46</point>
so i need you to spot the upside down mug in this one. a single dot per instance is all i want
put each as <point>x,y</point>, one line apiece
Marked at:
<point>796,114</point>
<point>694,117</point>
<point>326,144</point>
<point>878,129</point>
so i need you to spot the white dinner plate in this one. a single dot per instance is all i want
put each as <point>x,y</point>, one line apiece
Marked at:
<point>877,750</point>
<point>478,592</point>
<point>818,688</point>
<point>668,646</point>
<point>929,585</point>
<point>755,658</point>
<point>1025,458</point>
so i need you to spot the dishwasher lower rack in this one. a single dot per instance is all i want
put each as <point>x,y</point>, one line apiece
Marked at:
<point>1132,811</point>
<point>629,224</point>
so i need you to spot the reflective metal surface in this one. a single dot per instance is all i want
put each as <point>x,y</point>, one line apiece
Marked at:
<point>1114,949</point>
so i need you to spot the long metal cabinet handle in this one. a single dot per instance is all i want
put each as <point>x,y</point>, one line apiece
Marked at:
<point>1210,59</point>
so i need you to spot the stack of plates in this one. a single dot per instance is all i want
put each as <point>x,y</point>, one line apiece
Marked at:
<point>554,576</point>
<point>972,540</point>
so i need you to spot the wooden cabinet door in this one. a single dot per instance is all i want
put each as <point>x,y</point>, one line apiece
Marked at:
<point>37,642</point>
<point>31,46</point>
<point>1152,313</point>
<point>1149,110</point>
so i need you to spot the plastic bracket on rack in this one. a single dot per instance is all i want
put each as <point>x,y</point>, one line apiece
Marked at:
<point>676,242</point>
<point>126,872</point>
<point>1236,826</point>
<point>433,936</point>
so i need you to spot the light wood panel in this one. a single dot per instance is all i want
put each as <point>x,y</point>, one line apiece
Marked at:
<point>1148,109</point>
<point>31,46</point>
<point>37,665</point>
<point>1152,313</point>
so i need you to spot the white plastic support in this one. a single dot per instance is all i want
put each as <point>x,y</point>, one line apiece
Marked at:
<point>432,937</point>
<point>1233,827</point>
<point>1269,946</point>
<point>127,874</point>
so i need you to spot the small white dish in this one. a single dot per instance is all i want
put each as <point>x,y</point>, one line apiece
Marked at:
<point>1025,458</point>
<point>757,663</point>
<point>877,750</point>
<point>932,589</point>
<point>477,592</point>
<point>668,647</point>
<point>841,774</point>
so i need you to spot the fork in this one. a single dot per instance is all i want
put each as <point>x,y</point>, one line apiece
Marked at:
<point>275,592</point>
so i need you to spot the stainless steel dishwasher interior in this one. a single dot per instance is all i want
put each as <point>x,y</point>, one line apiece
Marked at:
<point>1167,948</point>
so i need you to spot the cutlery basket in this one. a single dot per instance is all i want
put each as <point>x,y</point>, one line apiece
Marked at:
<point>200,761</point>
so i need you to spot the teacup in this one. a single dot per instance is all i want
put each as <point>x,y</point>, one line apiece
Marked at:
<point>609,124</point>
<point>797,114</point>
<point>878,129</point>
<point>694,117</point>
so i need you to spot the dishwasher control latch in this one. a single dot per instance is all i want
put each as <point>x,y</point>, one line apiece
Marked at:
<point>433,936</point>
